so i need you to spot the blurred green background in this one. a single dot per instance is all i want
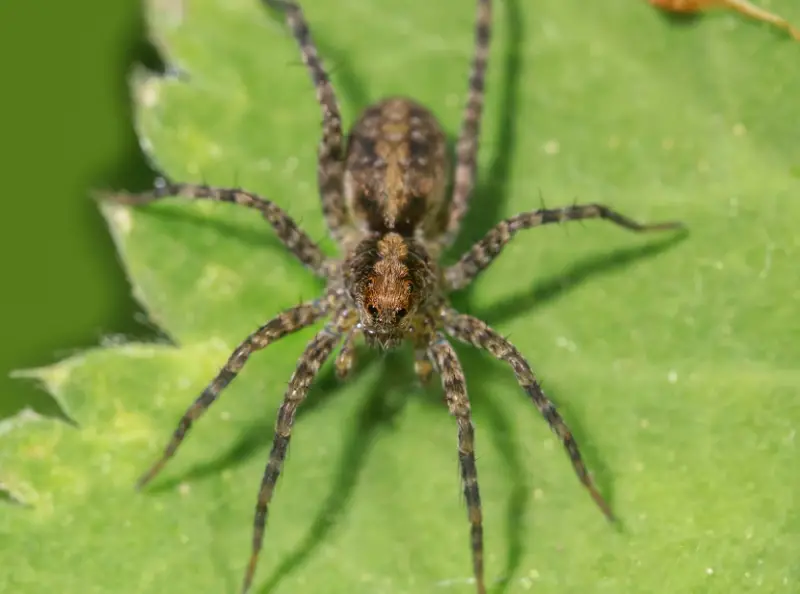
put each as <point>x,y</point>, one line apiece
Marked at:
<point>66,127</point>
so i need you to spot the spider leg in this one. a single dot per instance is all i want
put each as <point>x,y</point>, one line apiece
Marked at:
<point>345,358</point>
<point>330,154</point>
<point>288,231</point>
<point>312,359</point>
<point>482,253</point>
<point>473,331</point>
<point>467,145</point>
<point>422,365</point>
<point>447,365</point>
<point>288,321</point>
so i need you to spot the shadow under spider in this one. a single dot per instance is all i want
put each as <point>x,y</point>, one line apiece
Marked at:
<point>549,289</point>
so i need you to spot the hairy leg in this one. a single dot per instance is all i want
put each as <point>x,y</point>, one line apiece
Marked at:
<point>346,356</point>
<point>330,154</point>
<point>422,365</point>
<point>447,365</point>
<point>289,321</point>
<point>467,145</point>
<point>317,351</point>
<point>290,234</point>
<point>476,332</point>
<point>487,249</point>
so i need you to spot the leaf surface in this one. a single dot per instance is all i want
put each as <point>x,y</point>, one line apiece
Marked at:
<point>675,362</point>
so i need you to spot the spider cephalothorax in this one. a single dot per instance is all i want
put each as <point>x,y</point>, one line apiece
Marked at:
<point>391,280</point>
<point>383,197</point>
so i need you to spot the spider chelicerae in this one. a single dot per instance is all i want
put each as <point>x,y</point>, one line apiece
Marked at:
<point>384,192</point>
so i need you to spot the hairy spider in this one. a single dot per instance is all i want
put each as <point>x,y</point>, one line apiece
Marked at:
<point>383,193</point>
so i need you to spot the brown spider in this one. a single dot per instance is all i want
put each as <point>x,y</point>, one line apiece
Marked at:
<point>383,192</point>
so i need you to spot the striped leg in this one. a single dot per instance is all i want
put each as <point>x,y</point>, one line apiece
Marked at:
<point>285,323</point>
<point>487,249</point>
<point>446,364</point>
<point>476,332</point>
<point>467,145</point>
<point>422,365</point>
<point>313,357</point>
<point>290,234</point>
<point>346,357</point>
<point>330,154</point>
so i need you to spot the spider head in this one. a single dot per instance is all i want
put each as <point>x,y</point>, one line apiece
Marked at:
<point>386,305</point>
<point>389,278</point>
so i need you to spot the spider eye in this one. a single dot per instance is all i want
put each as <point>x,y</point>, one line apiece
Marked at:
<point>410,287</point>
<point>401,313</point>
<point>373,311</point>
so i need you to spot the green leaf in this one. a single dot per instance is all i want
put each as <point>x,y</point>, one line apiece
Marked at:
<point>675,362</point>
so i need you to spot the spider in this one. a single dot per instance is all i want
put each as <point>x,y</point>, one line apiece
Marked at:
<point>385,199</point>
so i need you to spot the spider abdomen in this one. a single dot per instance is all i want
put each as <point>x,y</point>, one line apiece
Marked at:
<point>396,169</point>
